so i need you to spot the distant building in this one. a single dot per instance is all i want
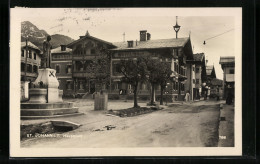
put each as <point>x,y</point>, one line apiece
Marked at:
<point>33,61</point>
<point>216,88</point>
<point>200,74</point>
<point>228,67</point>
<point>210,74</point>
<point>61,61</point>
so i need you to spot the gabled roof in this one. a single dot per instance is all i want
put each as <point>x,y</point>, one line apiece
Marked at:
<point>217,82</point>
<point>29,44</point>
<point>58,50</point>
<point>90,37</point>
<point>152,44</point>
<point>209,69</point>
<point>227,59</point>
<point>198,56</point>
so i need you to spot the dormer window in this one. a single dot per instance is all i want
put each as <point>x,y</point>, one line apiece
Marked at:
<point>130,43</point>
<point>63,47</point>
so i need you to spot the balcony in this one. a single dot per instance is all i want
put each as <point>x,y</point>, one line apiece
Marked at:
<point>29,74</point>
<point>230,77</point>
<point>83,57</point>
<point>82,74</point>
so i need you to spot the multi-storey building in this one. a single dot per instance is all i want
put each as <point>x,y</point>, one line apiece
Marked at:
<point>200,74</point>
<point>83,52</point>
<point>228,67</point>
<point>33,61</point>
<point>61,60</point>
<point>210,74</point>
<point>174,51</point>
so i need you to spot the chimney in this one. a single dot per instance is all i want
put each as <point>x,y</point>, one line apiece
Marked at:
<point>130,43</point>
<point>148,36</point>
<point>143,35</point>
<point>63,47</point>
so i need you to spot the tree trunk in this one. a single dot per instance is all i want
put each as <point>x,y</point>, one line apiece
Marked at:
<point>152,96</point>
<point>161,101</point>
<point>135,96</point>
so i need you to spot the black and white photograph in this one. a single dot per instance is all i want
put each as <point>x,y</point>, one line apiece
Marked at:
<point>125,82</point>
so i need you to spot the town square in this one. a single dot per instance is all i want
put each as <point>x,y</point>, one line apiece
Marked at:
<point>100,78</point>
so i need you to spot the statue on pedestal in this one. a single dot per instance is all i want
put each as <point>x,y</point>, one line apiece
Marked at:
<point>46,53</point>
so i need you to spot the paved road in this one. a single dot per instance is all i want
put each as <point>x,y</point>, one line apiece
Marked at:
<point>187,125</point>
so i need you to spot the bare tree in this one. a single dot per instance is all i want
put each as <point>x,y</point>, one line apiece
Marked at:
<point>134,71</point>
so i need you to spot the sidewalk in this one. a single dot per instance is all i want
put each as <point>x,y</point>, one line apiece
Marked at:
<point>226,126</point>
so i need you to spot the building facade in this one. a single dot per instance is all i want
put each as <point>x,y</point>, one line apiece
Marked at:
<point>79,55</point>
<point>61,61</point>
<point>32,61</point>
<point>228,67</point>
<point>200,74</point>
<point>210,74</point>
<point>84,51</point>
<point>174,51</point>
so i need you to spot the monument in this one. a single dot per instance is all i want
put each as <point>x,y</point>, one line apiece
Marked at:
<point>45,97</point>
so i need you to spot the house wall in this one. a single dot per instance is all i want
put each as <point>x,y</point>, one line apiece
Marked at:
<point>31,74</point>
<point>190,82</point>
<point>61,62</point>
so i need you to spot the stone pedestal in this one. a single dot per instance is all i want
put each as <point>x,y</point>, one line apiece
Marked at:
<point>46,98</point>
<point>46,79</point>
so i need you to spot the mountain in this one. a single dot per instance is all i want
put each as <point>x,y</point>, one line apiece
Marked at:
<point>37,36</point>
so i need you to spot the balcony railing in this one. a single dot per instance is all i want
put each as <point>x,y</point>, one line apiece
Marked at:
<point>29,74</point>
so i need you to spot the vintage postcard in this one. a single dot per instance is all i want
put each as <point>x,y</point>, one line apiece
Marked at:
<point>125,82</point>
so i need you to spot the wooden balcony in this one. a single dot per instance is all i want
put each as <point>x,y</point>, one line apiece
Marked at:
<point>29,74</point>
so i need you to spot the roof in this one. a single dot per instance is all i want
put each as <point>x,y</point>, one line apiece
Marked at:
<point>198,56</point>
<point>58,50</point>
<point>209,69</point>
<point>29,44</point>
<point>90,37</point>
<point>227,59</point>
<point>152,44</point>
<point>217,82</point>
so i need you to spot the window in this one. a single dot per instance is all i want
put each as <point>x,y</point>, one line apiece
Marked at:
<point>193,69</point>
<point>197,70</point>
<point>29,68</point>
<point>175,66</point>
<point>92,51</point>
<point>35,69</point>
<point>57,67</point>
<point>116,68</point>
<point>22,66</point>
<point>116,86</point>
<point>81,85</point>
<point>193,80</point>
<point>143,86</point>
<point>30,54</point>
<point>68,69</point>
<point>231,71</point>
<point>69,85</point>
<point>22,53</point>
<point>34,56</point>
<point>129,86</point>
<point>197,81</point>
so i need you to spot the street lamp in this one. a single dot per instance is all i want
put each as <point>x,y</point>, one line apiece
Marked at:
<point>176,27</point>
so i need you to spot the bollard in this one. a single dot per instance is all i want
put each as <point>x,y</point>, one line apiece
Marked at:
<point>100,101</point>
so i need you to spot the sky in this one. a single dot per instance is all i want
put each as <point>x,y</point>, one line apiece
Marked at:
<point>110,23</point>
